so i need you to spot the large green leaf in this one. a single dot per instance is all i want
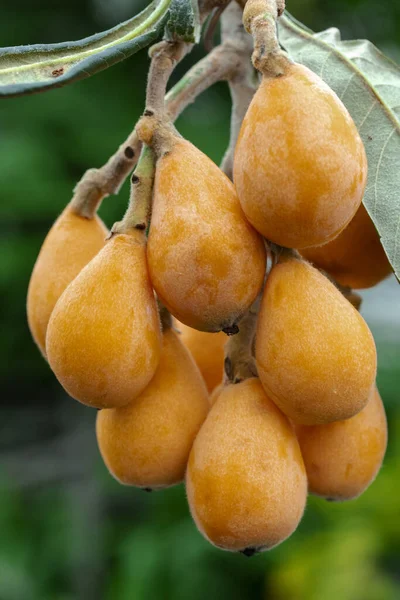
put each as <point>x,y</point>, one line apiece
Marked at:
<point>29,69</point>
<point>184,21</point>
<point>368,83</point>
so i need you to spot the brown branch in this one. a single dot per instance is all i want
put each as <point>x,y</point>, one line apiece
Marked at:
<point>138,211</point>
<point>225,62</point>
<point>97,184</point>
<point>164,58</point>
<point>221,64</point>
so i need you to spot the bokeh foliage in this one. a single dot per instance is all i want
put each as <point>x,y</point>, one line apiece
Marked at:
<point>67,530</point>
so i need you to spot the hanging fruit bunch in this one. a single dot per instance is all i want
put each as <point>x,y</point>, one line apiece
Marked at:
<point>215,327</point>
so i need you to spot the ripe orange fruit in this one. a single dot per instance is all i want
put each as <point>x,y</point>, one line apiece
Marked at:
<point>207,350</point>
<point>296,138</point>
<point>356,257</point>
<point>70,244</point>
<point>315,354</point>
<point>199,242</point>
<point>216,394</point>
<point>342,459</point>
<point>246,482</point>
<point>104,340</point>
<point>147,442</point>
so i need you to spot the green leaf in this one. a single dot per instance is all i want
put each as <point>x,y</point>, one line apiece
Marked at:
<point>183,24</point>
<point>30,69</point>
<point>368,84</point>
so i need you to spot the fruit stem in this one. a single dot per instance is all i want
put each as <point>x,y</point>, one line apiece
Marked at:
<point>280,253</point>
<point>242,94</point>
<point>165,316</point>
<point>164,57</point>
<point>138,211</point>
<point>228,61</point>
<point>239,360</point>
<point>220,64</point>
<point>260,19</point>
<point>243,82</point>
<point>97,184</point>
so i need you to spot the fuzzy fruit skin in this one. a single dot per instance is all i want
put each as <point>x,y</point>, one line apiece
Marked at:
<point>70,244</point>
<point>342,459</point>
<point>104,339</point>
<point>199,242</point>
<point>207,350</point>
<point>300,166</point>
<point>356,257</point>
<point>246,481</point>
<point>147,443</point>
<point>315,354</point>
<point>216,394</point>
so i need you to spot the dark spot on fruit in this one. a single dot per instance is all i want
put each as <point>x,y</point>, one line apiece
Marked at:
<point>249,552</point>
<point>231,329</point>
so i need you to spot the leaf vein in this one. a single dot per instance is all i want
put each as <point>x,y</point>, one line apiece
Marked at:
<point>342,95</point>
<point>378,166</point>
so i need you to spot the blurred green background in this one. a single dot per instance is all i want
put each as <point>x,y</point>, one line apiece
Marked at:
<point>68,531</point>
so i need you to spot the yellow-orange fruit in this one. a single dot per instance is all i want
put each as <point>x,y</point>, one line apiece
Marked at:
<point>206,262</point>
<point>216,394</point>
<point>342,459</point>
<point>147,443</point>
<point>70,244</point>
<point>356,257</point>
<point>300,166</point>
<point>207,350</point>
<point>315,354</point>
<point>103,339</point>
<point>246,481</point>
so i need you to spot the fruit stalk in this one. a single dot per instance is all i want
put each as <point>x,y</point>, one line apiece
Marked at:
<point>97,184</point>
<point>165,317</point>
<point>259,19</point>
<point>228,61</point>
<point>239,360</point>
<point>164,58</point>
<point>222,63</point>
<point>137,214</point>
<point>278,252</point>
<point>243,82</point>
<point>241,93</point>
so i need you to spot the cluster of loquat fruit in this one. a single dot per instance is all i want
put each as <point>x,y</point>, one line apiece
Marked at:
<point>304,415</point>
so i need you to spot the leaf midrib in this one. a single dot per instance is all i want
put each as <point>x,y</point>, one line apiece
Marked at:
<point>152,19</point>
